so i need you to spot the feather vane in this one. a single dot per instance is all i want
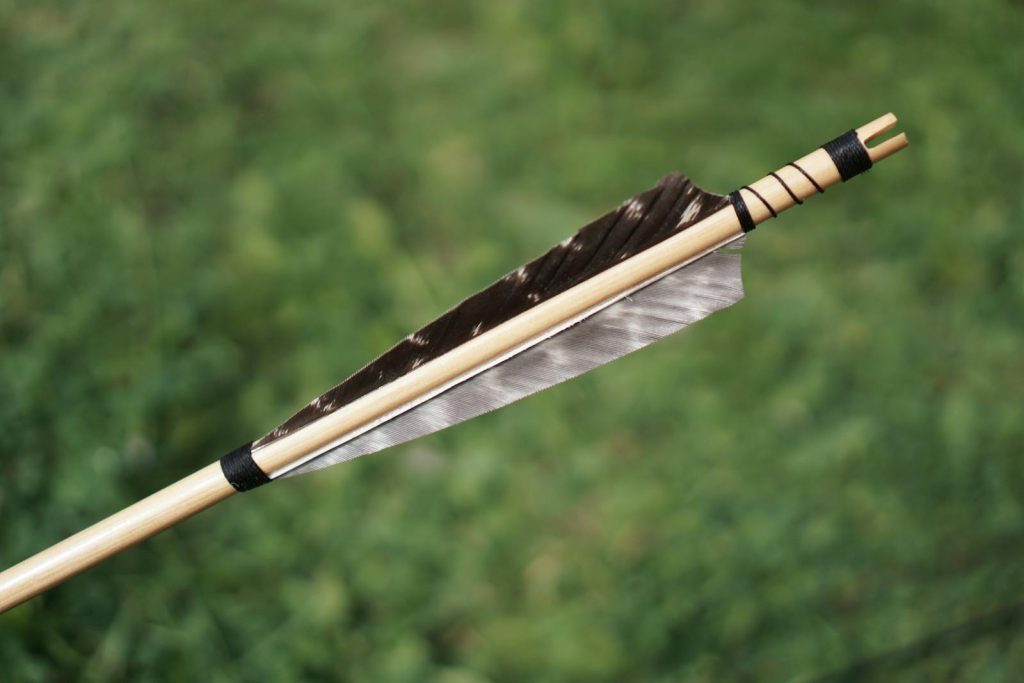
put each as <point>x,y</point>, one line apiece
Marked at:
<point>633,321</point>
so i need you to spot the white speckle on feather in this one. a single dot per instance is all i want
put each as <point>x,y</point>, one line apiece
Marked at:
<point>520,274</point>
<point>416,363</point>
<point>418,340</point>
<point>476,329</point>
<point>689,213</point>
<point>533,296</point>
<point>634,209</point>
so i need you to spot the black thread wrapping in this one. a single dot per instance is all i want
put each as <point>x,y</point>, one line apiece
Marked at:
<point>764,201</point>
<point>807,175</point>
<point>742,212</point>
<point>848,154</point>
<point>782,182</point>
<point>241,470</point>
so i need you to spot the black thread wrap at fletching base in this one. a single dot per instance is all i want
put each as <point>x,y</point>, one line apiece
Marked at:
<point>742,212</point>
<point>848,154</point>
<point>241,470</point>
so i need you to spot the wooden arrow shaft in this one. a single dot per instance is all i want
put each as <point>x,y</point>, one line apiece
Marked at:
<point>135,523</point>
<point>181,500</point>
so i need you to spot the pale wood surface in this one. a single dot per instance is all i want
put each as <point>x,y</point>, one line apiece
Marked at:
<point>208,486</point>
<point>149,516</point>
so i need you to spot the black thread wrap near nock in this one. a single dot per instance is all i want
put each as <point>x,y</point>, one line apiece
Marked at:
<point>848,154</point>
<point>241,470</point>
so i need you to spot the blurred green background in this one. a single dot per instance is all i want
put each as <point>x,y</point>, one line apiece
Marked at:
<point>211,213</point>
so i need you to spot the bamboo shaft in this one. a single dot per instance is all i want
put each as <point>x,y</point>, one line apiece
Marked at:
<point>208,486</point>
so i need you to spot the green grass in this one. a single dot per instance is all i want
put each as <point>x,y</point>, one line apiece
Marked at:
<point>211,213</point>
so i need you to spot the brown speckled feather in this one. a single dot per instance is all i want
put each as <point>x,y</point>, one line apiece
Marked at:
<point>637,224</point>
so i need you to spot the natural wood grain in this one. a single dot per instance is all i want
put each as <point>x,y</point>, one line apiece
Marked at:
<point>208,486</point>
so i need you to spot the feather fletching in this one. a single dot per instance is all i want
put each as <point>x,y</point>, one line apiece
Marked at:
<point>634,321</point>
